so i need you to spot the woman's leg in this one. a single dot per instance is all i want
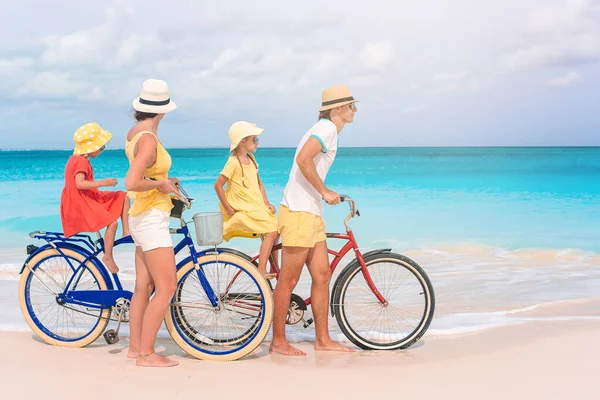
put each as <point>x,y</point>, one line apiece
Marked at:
<point>141,294</point>
<point>265,251</point>
<point>109,241</point>
<point>161,266</point>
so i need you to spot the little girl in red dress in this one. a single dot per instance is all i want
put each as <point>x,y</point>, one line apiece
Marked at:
<point>84,208</point>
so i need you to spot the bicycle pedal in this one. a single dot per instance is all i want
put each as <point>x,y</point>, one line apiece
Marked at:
<point>308,322</point>
<point>111,337</point>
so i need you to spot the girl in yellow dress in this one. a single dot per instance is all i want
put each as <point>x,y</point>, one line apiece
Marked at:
<point>246,209</point>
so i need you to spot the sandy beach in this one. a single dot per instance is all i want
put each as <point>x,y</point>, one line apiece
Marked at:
<point>529,361</point>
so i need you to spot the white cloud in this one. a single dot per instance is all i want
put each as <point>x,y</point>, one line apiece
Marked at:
<point>377,55</point>
<point>568,79</point>
<point>52,85</point>
<point>464,81</point>
<point>566,35</point>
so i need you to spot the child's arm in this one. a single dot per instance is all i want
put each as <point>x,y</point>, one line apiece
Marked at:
<point>221,181</point>
<point>82,184</point>
<point>264,195</point>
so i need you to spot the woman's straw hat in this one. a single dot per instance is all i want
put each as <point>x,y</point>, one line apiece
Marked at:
<point>240,130</point>
<point>89,138</point>
<point>336,96</point>
<point>154,98</point>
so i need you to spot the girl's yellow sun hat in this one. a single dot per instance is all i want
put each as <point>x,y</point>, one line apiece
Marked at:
<point>89,138</point>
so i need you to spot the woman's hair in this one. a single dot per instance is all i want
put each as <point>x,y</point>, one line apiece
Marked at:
<point>140,116</point>
<point>325,114</point>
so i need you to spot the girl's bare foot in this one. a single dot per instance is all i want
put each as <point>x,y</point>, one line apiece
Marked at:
<point>330,345</point>
<point>268,276</point>
<point>286,349</point>
<point>110,264</point>
<point>155,360</point>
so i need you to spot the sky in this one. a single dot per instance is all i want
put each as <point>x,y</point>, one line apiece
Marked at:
<point>426,73</point>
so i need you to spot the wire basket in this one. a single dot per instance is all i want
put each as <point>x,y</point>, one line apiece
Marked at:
<point>209,228</point>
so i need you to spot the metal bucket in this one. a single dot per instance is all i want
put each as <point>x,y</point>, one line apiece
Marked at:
<point>209,228</point>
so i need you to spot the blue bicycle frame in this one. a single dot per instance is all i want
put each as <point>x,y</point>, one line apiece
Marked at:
<point>84,245</point>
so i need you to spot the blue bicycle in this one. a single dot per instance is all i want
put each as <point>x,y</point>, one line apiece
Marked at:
<point>68,296</point>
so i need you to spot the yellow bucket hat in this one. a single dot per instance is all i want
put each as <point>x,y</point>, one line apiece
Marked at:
<point>89,138</point>
<point>240,130</point>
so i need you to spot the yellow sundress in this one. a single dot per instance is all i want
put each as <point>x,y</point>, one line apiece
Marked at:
<point>242,191</point>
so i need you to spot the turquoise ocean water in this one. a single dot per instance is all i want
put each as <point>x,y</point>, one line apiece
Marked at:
<point>499,230</point>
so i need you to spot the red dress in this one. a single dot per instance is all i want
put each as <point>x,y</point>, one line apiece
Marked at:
<point>87,210</point>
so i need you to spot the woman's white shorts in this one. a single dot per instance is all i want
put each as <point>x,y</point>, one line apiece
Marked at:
<point>150,229</point>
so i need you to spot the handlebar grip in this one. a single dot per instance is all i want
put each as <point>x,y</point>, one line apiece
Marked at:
<point>342,198</point>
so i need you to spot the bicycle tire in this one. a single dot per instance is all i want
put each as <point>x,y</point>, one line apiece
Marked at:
<point>178,327</point>
<point>33,320</point>
<point>352,271</point>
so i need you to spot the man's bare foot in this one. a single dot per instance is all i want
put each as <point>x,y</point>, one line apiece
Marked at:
<point>155,360</point>
<point>286,349</point>
<point>110,264</point>
<point>133,354</point>
<point>330,345</point>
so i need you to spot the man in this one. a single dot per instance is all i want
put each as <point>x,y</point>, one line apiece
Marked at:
<point>301,223</point>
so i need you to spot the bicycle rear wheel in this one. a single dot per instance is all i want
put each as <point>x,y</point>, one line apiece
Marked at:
<point>238,324</point>
<point>55,321</point>
<point>367,322</point>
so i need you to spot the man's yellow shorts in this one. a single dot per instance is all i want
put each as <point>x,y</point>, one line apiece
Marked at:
<point>300,229</point>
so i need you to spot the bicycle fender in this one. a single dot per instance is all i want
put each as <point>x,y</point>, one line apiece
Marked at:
<point>77,249</point>
<point>211,251</point>
<point>350,265</point>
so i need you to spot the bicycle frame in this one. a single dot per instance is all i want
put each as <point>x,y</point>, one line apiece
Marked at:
<point>90,249</point>
<point>351,244</point>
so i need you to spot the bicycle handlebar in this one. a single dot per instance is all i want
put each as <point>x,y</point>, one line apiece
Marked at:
<point>353,210</point>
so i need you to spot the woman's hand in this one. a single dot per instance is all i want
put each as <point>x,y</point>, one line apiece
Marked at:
<point>166,186</point>
<point>271,208</point>
<point>175,181</point>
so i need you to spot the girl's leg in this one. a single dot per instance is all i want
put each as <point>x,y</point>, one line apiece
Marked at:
<point>141,294</point>
<point>125,217</point>
<point>109,241</point>
<point>161,266</point>
<point>265,250</point>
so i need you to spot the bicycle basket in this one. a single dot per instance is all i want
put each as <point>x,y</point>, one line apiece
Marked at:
<point>178,207</point>
<point>209,228</point>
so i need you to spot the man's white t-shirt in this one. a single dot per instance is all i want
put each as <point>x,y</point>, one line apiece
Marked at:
<point>299,194</point>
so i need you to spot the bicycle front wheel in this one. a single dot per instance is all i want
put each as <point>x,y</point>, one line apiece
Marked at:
<point>54,320</point>
<point>239,322</point>
<point>398,323</point>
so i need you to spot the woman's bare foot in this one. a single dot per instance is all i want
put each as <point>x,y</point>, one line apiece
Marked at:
<point>286,349</point>
<point>330,345</point>
<point>133,354</point>
<point>110,264</point>
<point>155,360</point>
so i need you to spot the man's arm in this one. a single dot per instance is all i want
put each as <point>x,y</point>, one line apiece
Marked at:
<point>305,161</point>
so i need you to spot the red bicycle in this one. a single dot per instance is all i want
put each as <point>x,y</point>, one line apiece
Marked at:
<point>381,300</point>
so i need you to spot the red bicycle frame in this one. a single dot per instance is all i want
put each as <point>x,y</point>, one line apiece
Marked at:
<point>350,245</point>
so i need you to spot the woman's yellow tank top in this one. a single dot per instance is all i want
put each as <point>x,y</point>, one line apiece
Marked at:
<point>154,198</point>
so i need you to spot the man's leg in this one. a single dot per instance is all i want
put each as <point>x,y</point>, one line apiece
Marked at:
<point>293,259</point>
<point>318,266</point>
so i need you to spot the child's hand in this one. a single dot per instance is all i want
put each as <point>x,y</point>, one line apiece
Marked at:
<point>271,208</point>
<point>230,210</point>
<point>109,182</point>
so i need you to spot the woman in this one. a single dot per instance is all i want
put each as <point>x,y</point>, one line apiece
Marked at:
<point>149,223</point>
